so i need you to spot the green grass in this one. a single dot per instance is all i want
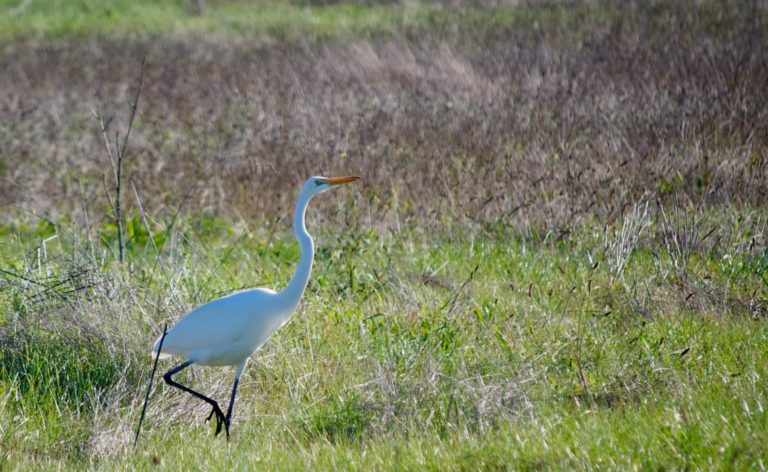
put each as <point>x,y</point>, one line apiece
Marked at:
<point>82,18</point>
<point>457,351</point>
<point>121,17</point>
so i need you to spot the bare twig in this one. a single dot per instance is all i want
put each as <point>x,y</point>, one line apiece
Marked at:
<point>117,157</point>
<point>119,168</point>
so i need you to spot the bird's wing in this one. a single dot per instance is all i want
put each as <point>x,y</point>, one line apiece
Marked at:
<point>220,322</point>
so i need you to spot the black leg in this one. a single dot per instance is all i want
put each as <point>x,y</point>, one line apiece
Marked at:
<point>168,377</point>
<point>231,404</point>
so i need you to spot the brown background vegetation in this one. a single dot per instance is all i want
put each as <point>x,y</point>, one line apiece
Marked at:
<point>536,127</point>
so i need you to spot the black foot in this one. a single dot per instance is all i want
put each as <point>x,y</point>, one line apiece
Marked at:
<point>220,419</point>
<point>226,421</point>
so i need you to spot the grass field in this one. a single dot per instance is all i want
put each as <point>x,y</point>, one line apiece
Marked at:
<point>557,257</point>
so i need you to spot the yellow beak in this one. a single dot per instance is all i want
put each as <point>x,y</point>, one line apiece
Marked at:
<point>341,180</point>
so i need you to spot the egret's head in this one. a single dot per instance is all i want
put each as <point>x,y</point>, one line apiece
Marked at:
<point>320,184</point>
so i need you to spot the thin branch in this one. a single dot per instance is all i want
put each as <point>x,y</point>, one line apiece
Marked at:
<point>118,210</point>
<point>134,105</point>
<point>104,126</point>
<point>119,168</point>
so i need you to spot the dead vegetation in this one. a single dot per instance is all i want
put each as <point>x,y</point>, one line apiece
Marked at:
<point>536,127</point>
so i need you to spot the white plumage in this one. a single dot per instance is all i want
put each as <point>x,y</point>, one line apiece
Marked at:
<point>227,330</point>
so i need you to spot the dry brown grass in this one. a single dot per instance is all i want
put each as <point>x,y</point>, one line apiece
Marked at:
<point>536,127</point>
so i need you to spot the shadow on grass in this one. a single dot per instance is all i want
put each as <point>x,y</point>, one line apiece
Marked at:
<point>54,371</point>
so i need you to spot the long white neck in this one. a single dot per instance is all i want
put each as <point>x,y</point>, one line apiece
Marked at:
<point>295,289</point>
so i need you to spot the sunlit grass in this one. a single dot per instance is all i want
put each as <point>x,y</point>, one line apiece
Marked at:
<point>120,17</point>
<point>462,349</point>
<point>267,18</point>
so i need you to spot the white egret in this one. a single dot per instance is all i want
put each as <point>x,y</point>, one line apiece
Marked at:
<point>227,330</point>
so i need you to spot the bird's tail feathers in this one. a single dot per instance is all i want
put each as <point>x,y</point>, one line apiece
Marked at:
<point>163,355</point>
